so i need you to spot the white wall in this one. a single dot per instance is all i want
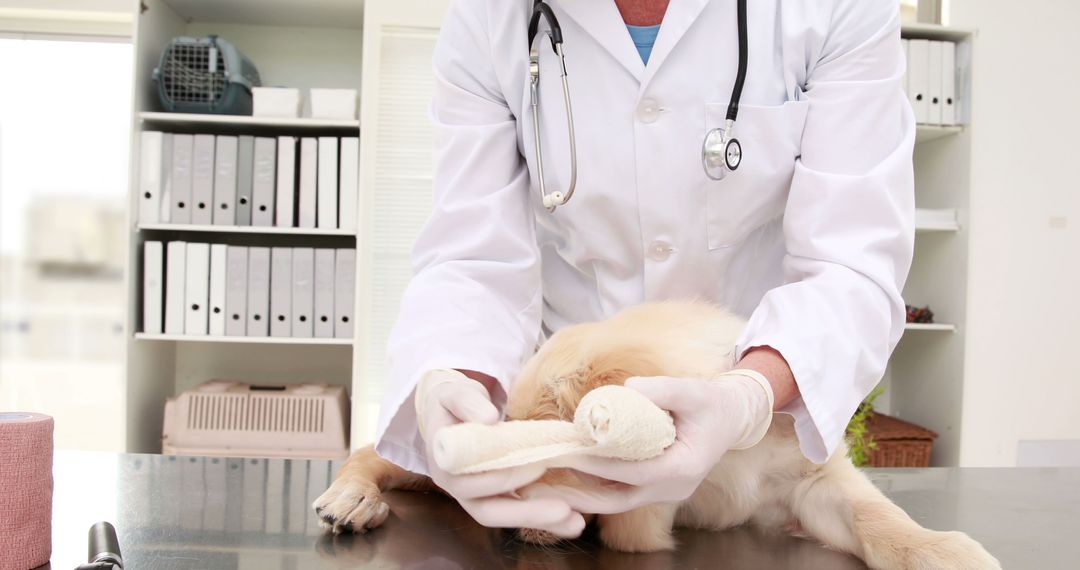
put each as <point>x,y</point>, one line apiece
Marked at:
<point>1022,371</point>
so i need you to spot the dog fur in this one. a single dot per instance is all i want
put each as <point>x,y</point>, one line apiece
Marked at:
<point>771,484</point>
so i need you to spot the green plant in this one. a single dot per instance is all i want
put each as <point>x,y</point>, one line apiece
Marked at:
<point>860,443</point>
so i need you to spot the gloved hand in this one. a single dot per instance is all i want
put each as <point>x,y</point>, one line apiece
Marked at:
<point>446,397</point>
<point>733,411</point>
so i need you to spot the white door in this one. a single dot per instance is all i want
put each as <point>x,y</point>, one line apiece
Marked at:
<point>396,188</point>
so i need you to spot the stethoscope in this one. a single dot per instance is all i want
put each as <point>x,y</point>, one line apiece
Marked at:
<point>721,152</point>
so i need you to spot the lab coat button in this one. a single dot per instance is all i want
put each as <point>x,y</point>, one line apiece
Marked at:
<point>648,111</point>
<point>659,250</point>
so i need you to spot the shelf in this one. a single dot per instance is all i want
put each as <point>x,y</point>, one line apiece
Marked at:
<point>941,220</point>
<point>348,14</point>
<point>938,327</point>
<point>927,133</point>
<point>243,230</point>
<point>245,122</point>
<point>246,339</point>
<point>935,32</point>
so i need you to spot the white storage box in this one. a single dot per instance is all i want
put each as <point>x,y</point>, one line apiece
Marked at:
<point>333,103</point>
<point>232,419</point>
<point>279,102</point>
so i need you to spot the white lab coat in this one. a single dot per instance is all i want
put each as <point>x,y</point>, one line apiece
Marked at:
<point>811,238</point>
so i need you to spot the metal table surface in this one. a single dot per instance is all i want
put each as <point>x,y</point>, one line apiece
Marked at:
<point>210,513</point>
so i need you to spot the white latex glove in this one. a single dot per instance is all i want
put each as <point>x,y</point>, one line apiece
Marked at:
<point>733,411</point>
<point>446,397</point>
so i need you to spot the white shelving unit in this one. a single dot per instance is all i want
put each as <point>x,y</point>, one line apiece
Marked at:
<point>315,43</point>
<point>925,377</point>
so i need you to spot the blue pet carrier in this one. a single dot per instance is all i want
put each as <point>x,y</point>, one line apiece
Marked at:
<point>205,75</point>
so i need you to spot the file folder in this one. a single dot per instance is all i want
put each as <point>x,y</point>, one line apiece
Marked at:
<point>236,269</point>
<point>174,287</point>
<point>303,292</point>
<point>286,182</point>
<point>202,181</point>
<point>344,293</point>
<point>349,207</point>
<point>950,109</point>
<point>919,79</point>
<point>245,168</point>
<point>308,178</point>
<point>165,212</point>
<point>151,176</point>
<point>218,270</point>
<point>263,187</point>
<point>183,150</point>
<point>153,286</point>
<point>216,491</point>
<point>197,288</point>
<point>328,184</point>
<point>281,291</point>
<point>254,501</point>
<point>934,88</point>
<point>225,180</point>
<point>258,292</point>
<point>324,293</point>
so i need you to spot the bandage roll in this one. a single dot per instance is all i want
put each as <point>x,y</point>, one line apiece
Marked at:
<point>26,486</point>
<point>610,421</point>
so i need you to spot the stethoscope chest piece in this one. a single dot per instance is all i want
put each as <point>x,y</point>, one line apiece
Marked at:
<point>721,153</point>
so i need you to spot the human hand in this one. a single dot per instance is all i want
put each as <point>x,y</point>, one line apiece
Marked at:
<point>733,411</point>
<point>446,397</point>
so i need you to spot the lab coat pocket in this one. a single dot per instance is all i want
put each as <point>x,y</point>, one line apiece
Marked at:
<point>755,194</point>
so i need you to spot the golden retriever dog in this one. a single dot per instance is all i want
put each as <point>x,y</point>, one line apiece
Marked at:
<point>770,485</point>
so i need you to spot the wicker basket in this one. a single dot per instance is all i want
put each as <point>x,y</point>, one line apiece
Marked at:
<point>899,443</point>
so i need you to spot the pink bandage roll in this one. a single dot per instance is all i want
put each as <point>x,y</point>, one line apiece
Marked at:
<point>26,486</point>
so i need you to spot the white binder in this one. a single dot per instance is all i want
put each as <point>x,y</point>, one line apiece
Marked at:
<point>236,269</point>
<point>197,288</point>
<point>175,265</point>
<point>151,176</point>
<point>202,181</point>
<point>245,165</point>
<point>328,183</point>
<point>919,79</point>
<point>192,485</point>
<point>344,293</point>
<point>299,507</point>
<point>324,293</point>
<point>153,286</point>
<point>218,270</point>
<point>317,483</point>
<point>950,106</point>
<point>263,188</point>
<point>281,291</point>
<point>225,181</point>
<point>285,200</point>
<point>214,513</point>
<point>165,208</point>
<point>350,183</point>
<point>308,178</point>
<point>934,88</point>
<point>275,496</point>
<point>254,500</point>
<point>303,292</point>
<point>258,291</point>
<point>183,149</point>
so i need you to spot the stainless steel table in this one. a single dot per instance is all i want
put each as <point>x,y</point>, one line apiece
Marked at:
<point>210,513</point>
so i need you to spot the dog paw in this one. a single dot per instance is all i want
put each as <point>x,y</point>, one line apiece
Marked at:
<point>954,550</point>
<point>537,537</point>
<point>351,505</point>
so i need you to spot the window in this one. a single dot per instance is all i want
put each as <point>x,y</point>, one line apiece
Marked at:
<point>65,112</point>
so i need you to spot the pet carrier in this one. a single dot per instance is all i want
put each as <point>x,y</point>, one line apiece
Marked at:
<point>227,418</point>
<point>205,75</point>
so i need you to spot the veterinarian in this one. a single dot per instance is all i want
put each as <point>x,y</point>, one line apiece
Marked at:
<point>805,226</point>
